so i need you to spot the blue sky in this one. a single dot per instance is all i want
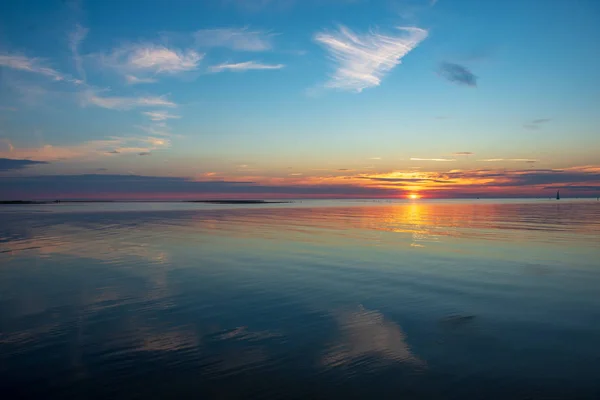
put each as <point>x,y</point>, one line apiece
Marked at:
<point>300,93</point>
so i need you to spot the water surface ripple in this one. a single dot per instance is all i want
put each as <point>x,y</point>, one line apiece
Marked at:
<point>424,299</point>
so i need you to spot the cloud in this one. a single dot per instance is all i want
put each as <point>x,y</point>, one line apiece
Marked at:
<point>406,180</point>
<point>462,153</point>
<point>125,103</point>
<point>144,153</point>
<point>160,115</point>
<point>160,59</point>
<point>433,159</point>
<point>89,150</point>
<point>4,108</point>
<point>8,144</point>
<point>33,65</point>
<point>142,62</point>
<point>136,186</point>
<point>457,73</point>
<point>576,188</point>
<point>541,121</point>
<point>241,39</point>
<point>454,183</point>
<point>536,123</point>
<point>244,66</point>
<point>527,160</point>
<point>157,129</point>
<point>487,182</point>
<point>362,61</point>
<point>75,39</point>
<point>7,164</point>
<point>134,80</point>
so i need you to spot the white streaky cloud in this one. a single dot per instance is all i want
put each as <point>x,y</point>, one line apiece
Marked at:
<point>75,39</point>
<point>34,65</point>
<point>160,115</point>
<point>245,66</point>
<point>160,59</point>
<point>433,159</point>
<point>134,80</point>
<point>125,103</point>
<point>140,63</point>
<point>363,60</point>
<point>528,160</point>
<point>241,39</point>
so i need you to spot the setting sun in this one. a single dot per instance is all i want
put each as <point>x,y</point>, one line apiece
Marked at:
<point>414,196</point>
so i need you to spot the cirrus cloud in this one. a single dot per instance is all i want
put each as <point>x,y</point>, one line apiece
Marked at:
<point>245,66</point>
<point>241,39</point>
<point>125,103</point>
<point>33,65</point>
<point>160,115</point>
<point>362,61</point>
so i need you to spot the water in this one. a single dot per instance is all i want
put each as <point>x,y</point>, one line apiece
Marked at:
<point>355,299</point>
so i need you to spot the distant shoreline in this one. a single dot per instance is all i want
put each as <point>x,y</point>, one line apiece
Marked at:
<point>34,202</point>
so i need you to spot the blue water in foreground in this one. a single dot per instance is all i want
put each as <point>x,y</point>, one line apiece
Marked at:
<point>355,299</point>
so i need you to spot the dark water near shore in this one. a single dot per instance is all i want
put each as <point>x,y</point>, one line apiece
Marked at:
<point>425,299</point>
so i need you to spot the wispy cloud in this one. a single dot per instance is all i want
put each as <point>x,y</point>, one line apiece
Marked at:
<point>161,59</point>
<point>526,160</point>
<point>33,65</point>
<point>88,150</point>
<point>536,123</point>
<point>75,39</point>
<point>125,103</point>
<point>157,129</point>
<point>142,62</point>
<point>245,66</point>
<point>134,80</point>
<point>144,153</point>
<point>433,159</point>
<point>160,115</point>
<point>363,60</point>
<point>242,39</point>
<point>457,73</point>
<point>462,153</point>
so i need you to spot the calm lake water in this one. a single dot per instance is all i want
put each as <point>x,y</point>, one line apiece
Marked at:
<point>354,299</point>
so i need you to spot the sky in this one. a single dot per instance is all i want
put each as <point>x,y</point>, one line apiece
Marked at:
<point>299,99</point>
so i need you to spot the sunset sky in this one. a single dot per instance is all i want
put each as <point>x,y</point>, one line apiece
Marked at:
<point>299,98</point>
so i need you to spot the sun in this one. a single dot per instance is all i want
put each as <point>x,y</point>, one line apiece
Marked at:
<point>414,196</point>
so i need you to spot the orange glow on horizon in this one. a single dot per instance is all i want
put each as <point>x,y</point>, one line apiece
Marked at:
<point>414,196</point>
